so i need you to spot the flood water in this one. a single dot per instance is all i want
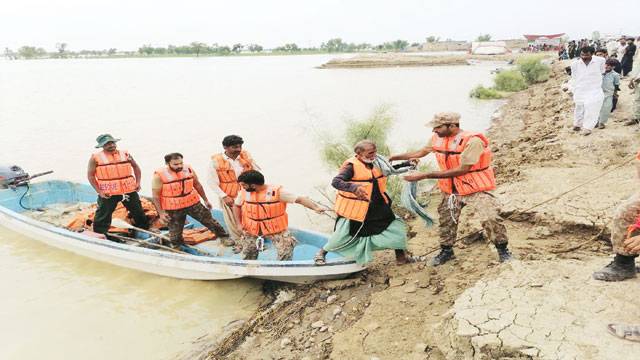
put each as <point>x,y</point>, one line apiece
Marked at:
<point>64,306</point>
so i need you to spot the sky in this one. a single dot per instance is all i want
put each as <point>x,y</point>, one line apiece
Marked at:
<point>128,24</point>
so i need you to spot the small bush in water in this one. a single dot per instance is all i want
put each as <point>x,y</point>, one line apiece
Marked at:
<point>533,70</point>
<point>510,80</point>
<point>484,93</point>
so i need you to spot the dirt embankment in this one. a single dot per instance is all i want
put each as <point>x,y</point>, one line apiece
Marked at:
<point>542,305</point>
<point>410,60</point>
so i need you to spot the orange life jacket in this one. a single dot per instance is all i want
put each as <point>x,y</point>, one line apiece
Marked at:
<point>262,211</point>
<point>226,174</point>
<point>114,173</point>
<point>177,188</point>
<point>448,150</point>
<point>347,204</point>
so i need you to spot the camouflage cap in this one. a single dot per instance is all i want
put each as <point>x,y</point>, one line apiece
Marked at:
<point>444,118</point>
<point>105,138</point>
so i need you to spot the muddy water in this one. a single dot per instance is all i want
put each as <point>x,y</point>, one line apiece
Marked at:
<point>68,307</point>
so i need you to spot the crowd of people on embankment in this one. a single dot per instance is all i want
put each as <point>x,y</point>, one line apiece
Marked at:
<point>595,83</point>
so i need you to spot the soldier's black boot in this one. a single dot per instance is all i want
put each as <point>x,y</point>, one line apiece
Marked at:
<point>446,254</point>
<point>503,253</point>
<point>621,268</point>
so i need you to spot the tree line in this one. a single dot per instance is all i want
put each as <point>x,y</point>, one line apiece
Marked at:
<point>336,45</point>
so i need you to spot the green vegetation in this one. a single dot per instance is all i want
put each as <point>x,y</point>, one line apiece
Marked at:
<point>29,52</point>
<point>484,93</point>
<point>197,49</point>
<point>376,127</point>
<point>432,39</point>
<point>533,70</point>
<point>485,37</point>
<point>530,70</point>
<point>510,80</point>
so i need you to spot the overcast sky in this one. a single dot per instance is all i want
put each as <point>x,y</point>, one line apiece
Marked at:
<point>127,24</point>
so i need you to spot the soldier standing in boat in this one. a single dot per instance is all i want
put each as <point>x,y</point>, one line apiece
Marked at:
<point>176,194</point>
<point>116,178</point>
<point>261,211</point>
<point>223,178</point>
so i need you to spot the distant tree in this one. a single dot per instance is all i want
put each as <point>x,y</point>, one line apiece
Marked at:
<point>288,48</point>
<point>415,44</point>
<point>62,49</point>
<point>196,47</point>
<point>145,49</point>
<point>223,50</point>
<point>595,35</point>
<point>27,52</point>
<point>485,37</point>
<point>255,48</point>
<point>9,54</point>
<point>334,45</point>
<point>397,45</point>
<point>237,48</point>
<point>432,39</point>
<point>111,51</point>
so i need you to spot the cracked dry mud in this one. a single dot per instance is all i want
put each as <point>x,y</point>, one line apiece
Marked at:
<point>529,310</point>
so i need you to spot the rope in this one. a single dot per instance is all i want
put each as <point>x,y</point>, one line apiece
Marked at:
<point>453,205</point>
<point>22,198</point>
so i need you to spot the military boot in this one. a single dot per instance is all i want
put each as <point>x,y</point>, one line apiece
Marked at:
<point>621,268</point>
<point>446,254</point>
<point>503,253</point>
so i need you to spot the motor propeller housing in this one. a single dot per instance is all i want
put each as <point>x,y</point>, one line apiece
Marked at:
<point>12,175</point>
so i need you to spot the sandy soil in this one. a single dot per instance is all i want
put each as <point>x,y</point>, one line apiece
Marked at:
<point>418,312</point>
<point>405,59</point>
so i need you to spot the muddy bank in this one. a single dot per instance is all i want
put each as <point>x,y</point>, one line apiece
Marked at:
<point>408,60</point>
<point>416,312</point>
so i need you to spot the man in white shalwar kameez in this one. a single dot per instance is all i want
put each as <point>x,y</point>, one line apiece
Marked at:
<point>586,86</point>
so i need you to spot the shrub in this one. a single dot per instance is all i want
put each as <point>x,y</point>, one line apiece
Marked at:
<point>376,127</point>
<point>484,93</point>
<point>510,80</point>
<point>335,149</point>
<point>533,70</point>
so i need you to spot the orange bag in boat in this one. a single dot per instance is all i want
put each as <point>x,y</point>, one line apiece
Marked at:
<point>84,219</point>
<point>197,236</point>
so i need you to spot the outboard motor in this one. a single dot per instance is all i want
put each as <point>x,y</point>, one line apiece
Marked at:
<point>12,176</point>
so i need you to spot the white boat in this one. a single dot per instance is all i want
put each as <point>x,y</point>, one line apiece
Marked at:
<point>223,265</point>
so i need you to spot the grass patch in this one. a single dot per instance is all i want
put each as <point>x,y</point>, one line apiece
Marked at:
<point>483,93</point>
<point>510,80</point>
<point>533,70</point>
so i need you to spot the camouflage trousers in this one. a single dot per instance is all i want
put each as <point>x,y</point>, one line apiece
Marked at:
<point>623,216</point>
<point>200,213</point>
<point>636,104</point>
<point>485,207</point>
<point>284,243</point>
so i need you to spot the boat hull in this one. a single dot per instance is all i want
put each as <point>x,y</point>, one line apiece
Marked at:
<point>174,265</point>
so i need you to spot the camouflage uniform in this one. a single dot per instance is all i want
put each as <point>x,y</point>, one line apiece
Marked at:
<point>199,212</point>
<point>636,104</point>
<point>284,243</point>
<point>485,206</point>
<point>624,215</point>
